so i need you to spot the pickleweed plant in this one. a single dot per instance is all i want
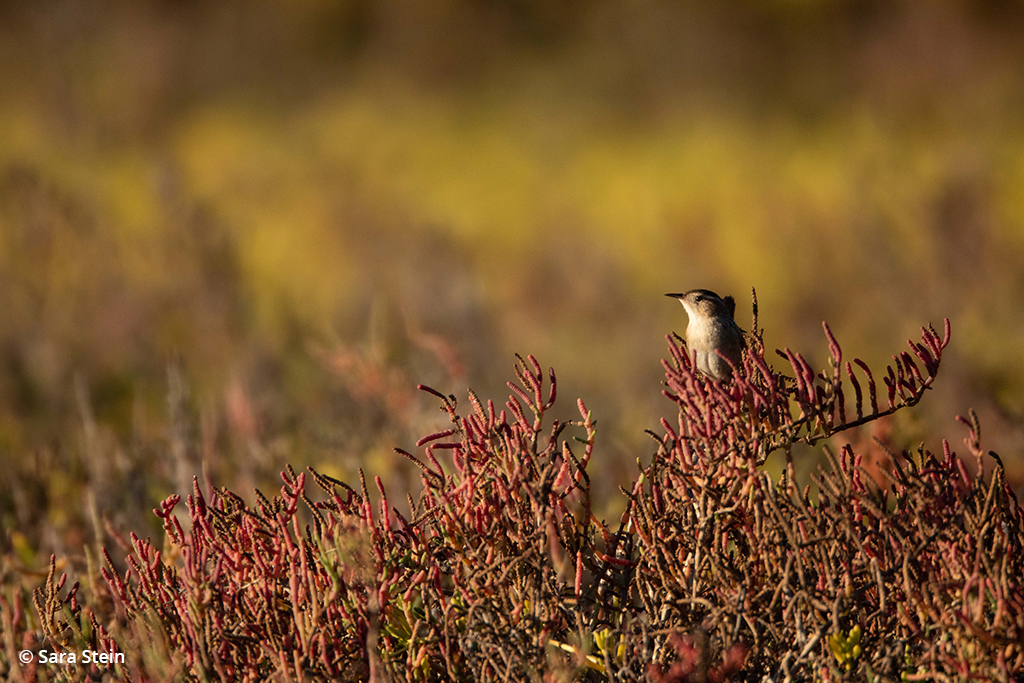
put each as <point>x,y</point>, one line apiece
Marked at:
<point>500,570</point>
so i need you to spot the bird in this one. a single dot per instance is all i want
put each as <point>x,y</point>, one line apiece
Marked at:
<point>712,329</point>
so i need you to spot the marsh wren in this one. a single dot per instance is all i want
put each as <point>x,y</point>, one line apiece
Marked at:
<point>712,328</point>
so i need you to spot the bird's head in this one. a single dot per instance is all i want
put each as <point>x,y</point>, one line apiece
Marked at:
<point>703,303</point>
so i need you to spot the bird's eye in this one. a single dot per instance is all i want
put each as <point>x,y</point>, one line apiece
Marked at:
<point>699,299</point>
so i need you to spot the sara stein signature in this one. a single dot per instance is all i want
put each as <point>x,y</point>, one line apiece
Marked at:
<point>85,657</point>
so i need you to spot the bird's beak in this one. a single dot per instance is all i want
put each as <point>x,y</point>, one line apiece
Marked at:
<point>676,296</point>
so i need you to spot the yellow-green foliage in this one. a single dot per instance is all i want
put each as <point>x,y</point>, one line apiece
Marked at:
<point>845,648</point>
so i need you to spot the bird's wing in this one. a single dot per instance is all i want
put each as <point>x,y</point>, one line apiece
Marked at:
<point>730,303</point>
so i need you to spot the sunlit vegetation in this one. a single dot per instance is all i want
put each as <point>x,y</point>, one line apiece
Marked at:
<point>236,237</point>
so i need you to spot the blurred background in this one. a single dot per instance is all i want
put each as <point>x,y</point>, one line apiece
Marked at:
<point>236,235</point>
